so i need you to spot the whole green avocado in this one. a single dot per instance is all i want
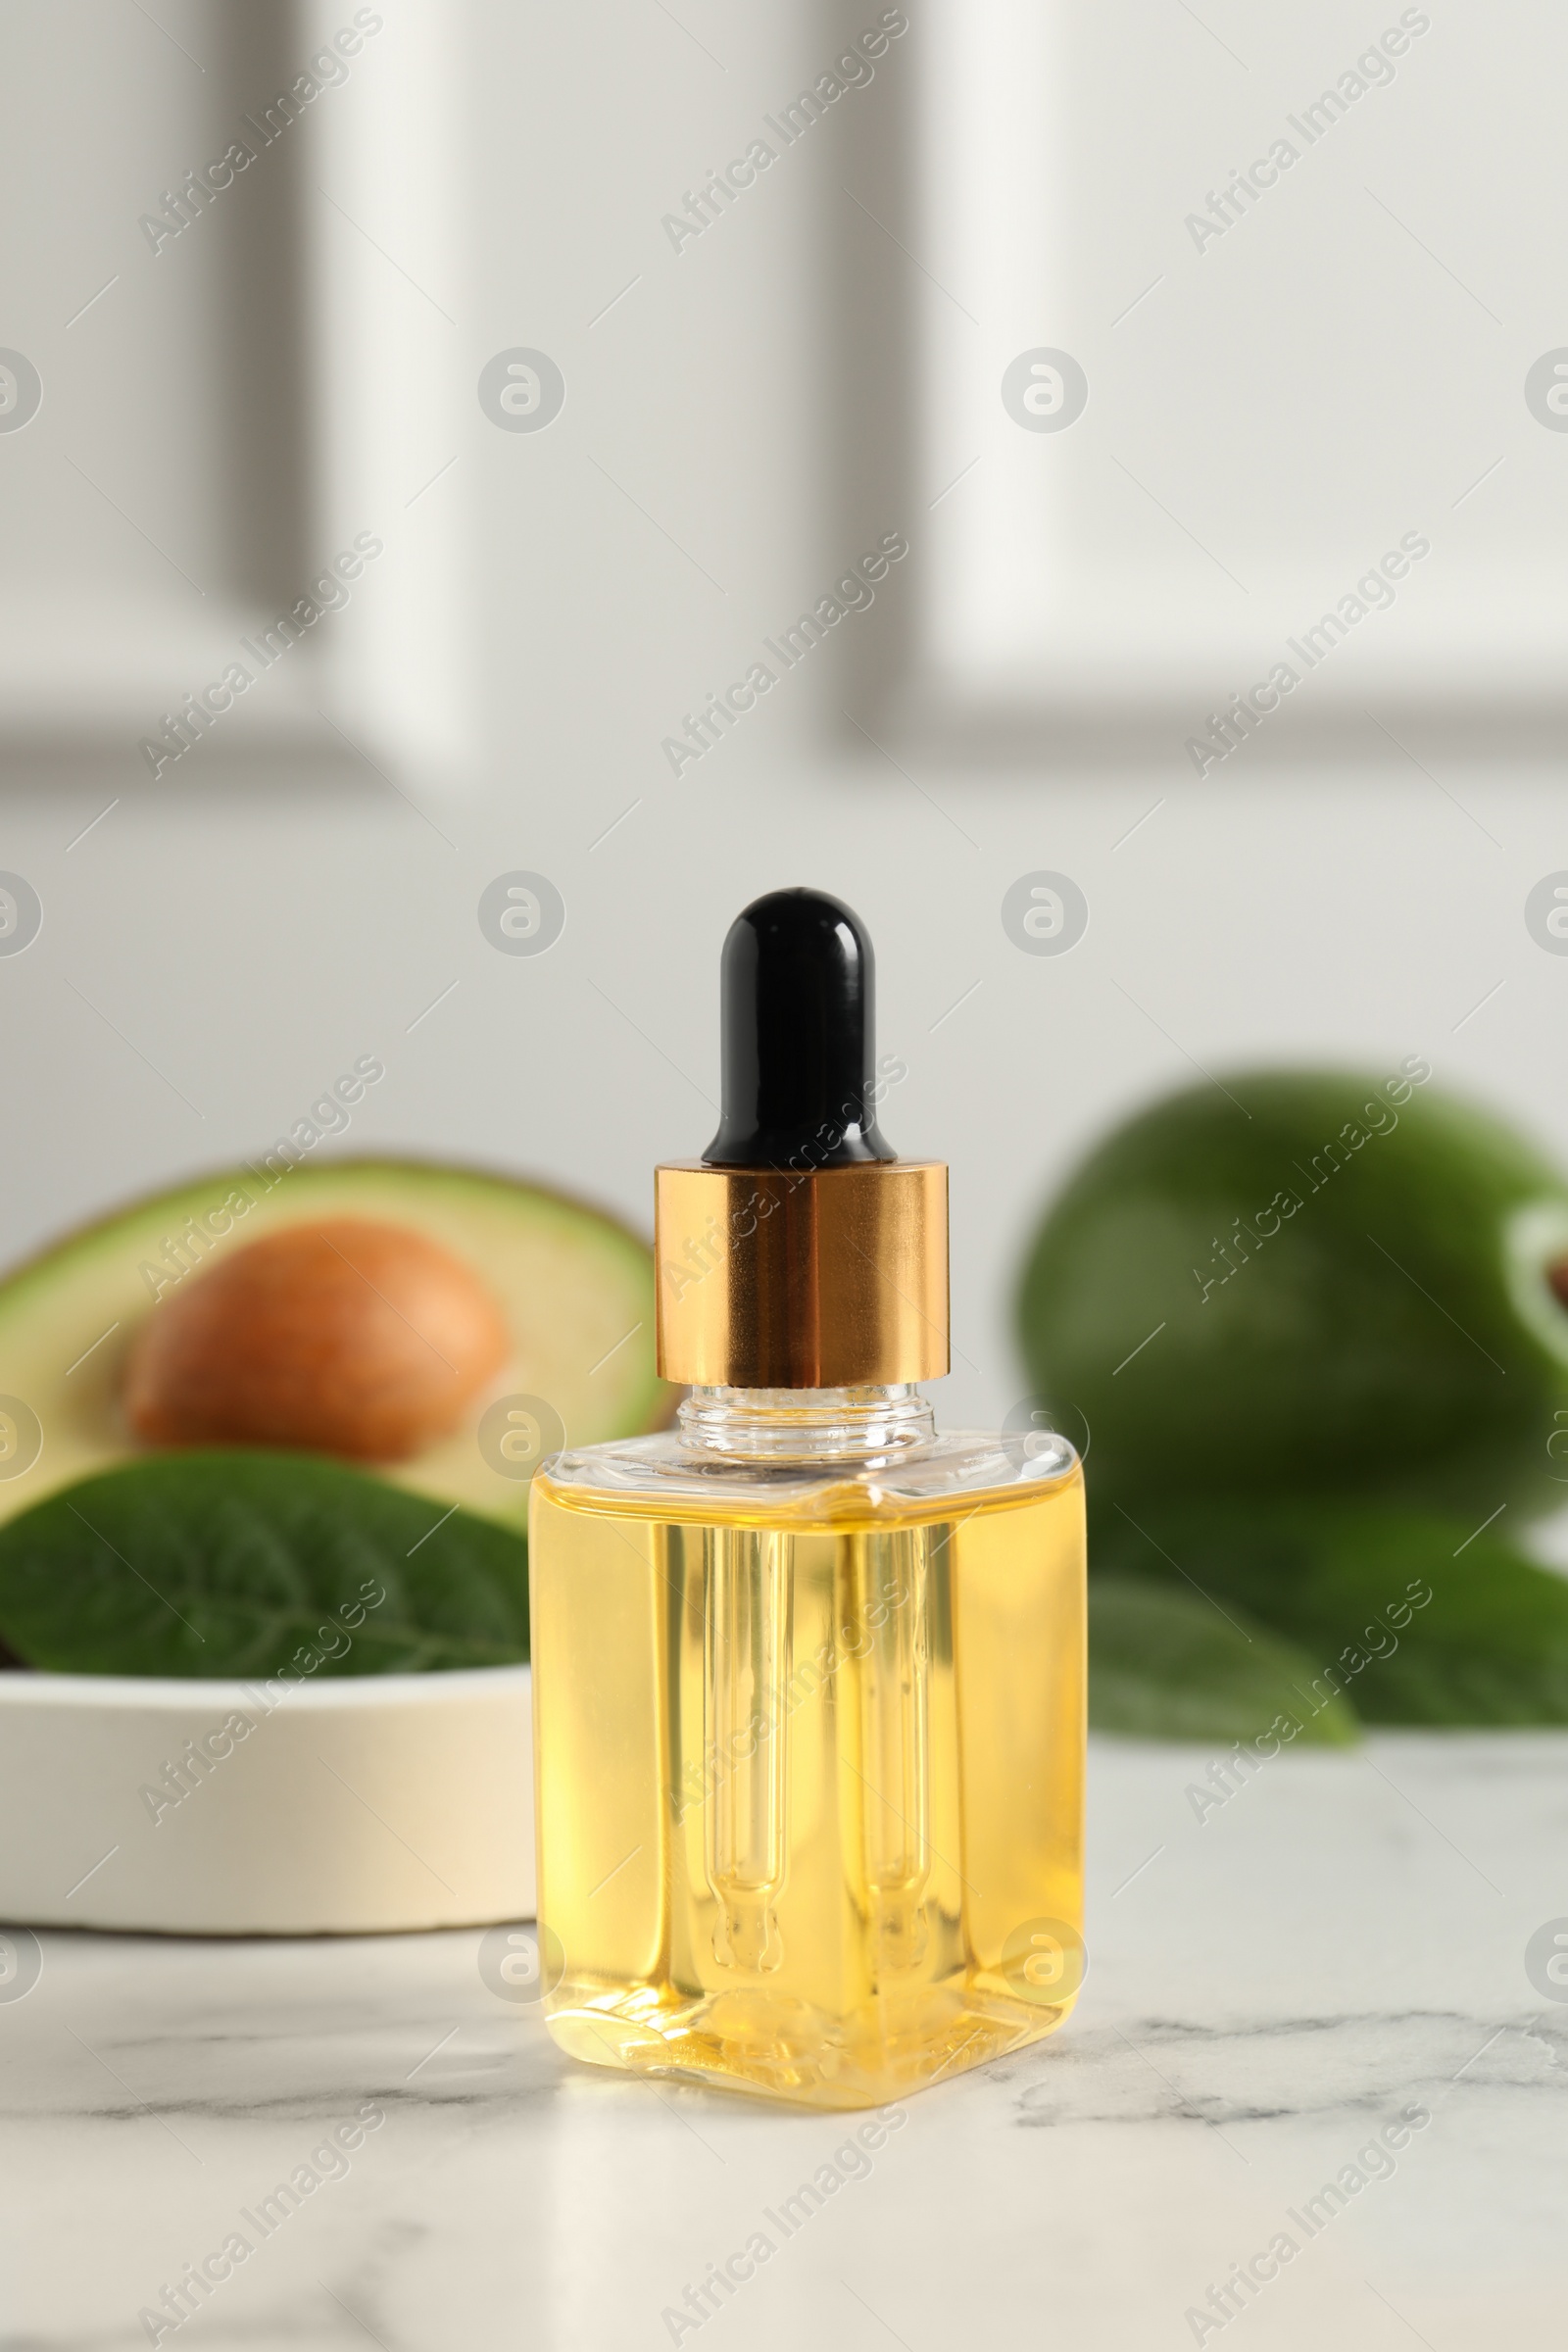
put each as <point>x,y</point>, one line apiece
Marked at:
<point>1306,1282</point>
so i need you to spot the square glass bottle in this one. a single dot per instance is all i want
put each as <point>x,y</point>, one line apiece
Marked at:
<point>810,1680</point>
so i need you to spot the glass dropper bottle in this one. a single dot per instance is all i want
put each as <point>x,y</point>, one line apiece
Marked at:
<point>808,1677</point>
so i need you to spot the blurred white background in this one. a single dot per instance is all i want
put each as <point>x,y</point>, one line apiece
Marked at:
<point>747,410</point>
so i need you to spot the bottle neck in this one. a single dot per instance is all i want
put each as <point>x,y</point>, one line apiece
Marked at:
<point>864,1425</point>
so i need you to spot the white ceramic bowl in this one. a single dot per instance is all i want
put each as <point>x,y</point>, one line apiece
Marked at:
<point>358,1805</point>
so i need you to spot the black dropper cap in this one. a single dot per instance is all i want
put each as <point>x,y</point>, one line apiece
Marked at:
<point>798,999</point>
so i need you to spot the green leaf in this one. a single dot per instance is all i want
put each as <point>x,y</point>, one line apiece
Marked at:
<point>243,1562</point>
<point>1422,1618</point>
<point>1165,1664</point>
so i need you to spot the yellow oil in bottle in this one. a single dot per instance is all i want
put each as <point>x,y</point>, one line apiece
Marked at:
<point>809,1779</point>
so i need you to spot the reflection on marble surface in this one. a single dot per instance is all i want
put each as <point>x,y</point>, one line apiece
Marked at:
<point>1340,1944</point>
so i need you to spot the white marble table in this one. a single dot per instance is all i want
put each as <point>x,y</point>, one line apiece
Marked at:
<point>1342,1939</point>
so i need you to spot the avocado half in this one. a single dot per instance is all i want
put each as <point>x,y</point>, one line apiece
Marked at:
<point>574,1287</point>
<point>1327,1282</point>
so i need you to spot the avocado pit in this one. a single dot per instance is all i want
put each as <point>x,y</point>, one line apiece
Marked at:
<point>341,1337</point>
